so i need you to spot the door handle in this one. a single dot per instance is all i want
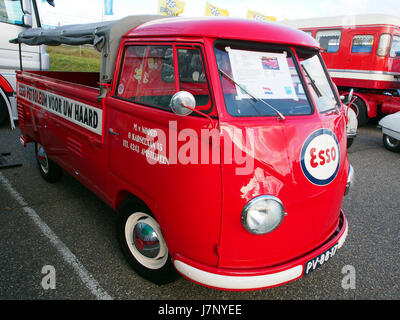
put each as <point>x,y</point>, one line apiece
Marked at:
<point>115,133</point>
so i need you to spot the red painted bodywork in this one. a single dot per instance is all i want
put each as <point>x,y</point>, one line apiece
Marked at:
<point>5,85</point>
<point>369,90</point>
<point>199,206</point>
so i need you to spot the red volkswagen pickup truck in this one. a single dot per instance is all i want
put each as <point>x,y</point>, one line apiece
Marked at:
<point>220,143</point>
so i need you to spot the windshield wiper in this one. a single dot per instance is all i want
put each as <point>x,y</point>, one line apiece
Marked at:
<point>315,87</point>
<point>312,81</point>
<point>252,95</point>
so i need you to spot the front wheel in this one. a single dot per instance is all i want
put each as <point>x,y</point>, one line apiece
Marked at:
<point>143,244</point>
<point>391,143</point>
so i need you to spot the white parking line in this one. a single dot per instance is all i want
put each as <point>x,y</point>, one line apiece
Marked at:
<point>66,254</point>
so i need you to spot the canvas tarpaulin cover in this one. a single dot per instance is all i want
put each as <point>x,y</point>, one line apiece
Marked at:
<point>105,36</point>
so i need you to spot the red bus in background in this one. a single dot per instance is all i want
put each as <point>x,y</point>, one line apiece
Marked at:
<point>361,52</point>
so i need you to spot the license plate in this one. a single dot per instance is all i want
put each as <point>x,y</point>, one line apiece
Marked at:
<point>319,260</point>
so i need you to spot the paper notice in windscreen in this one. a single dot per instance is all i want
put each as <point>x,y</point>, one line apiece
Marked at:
<point>265,75</point>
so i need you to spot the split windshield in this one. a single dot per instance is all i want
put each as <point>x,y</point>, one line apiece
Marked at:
<point>267,82</point>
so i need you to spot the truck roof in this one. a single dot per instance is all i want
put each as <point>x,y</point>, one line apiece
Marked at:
<point>344,21</point>
<point>106,36</point>
<point>224,28</point>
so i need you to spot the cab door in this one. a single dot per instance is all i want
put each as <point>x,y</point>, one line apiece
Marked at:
<point>158,154</point>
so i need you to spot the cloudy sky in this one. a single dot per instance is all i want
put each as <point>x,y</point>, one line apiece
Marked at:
<point>82,11</point>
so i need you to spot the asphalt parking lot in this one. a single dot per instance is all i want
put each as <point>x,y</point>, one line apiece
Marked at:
<point>58,241</point>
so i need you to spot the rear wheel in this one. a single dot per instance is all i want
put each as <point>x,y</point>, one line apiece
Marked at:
<point>361,111</point>
<point>49,170</point>
<point>143,244</point>
<point>391,144</point>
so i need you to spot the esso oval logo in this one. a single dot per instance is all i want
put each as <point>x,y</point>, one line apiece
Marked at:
<point>320,157</point>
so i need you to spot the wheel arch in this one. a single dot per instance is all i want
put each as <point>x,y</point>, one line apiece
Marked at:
<point>372,108</point>
<point>124,194</point>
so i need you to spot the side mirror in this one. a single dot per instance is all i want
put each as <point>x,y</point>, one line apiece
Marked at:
<point>350,96</point>
<point>182,103</point>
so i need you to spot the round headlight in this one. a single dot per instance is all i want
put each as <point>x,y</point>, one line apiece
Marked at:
<point>263,214</point>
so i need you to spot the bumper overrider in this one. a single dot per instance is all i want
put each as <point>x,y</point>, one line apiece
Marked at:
<point>254,279</point>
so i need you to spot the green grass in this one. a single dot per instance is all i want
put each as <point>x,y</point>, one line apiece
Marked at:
<point>73,58</point>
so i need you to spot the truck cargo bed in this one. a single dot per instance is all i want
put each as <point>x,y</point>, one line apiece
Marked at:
<point>88,79</point>
<point>46,97</point>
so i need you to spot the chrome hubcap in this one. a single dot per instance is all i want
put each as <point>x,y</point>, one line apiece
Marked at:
<point>42,158</point>
<point>145,241</point>
<point>392,142</point>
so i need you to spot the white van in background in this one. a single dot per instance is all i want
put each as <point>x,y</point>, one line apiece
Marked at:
<point>17,16</point>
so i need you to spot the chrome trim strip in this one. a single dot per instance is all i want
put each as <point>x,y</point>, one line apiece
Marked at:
<point>366,71</point>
